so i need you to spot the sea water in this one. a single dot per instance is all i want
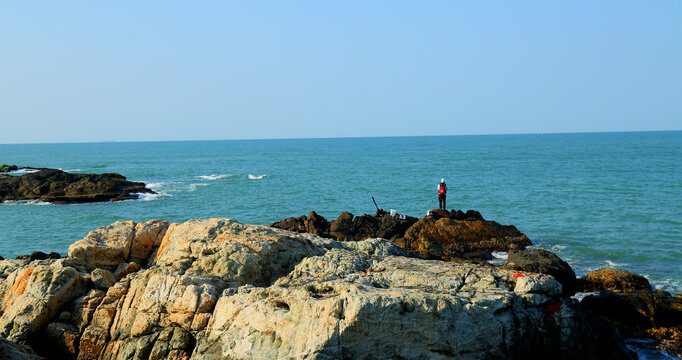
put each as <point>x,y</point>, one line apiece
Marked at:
<point>597,200</point>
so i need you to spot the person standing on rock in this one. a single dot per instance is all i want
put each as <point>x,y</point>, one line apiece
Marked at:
<point>442,192</point>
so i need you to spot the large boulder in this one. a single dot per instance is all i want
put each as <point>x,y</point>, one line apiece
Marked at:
<point>110,245</point>
<point>628,301</point>
<point>347,305</point>
<point>356,228</point>
<point>442,236</point>
<point>57,186</point>
<point>544,262</point>
<point>33,295</point>
<point>613,279</point>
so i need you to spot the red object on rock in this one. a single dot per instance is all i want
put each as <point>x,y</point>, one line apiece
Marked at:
<point>517,275</point>
<point>551,309</point>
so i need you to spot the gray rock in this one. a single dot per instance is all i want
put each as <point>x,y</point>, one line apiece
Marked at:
<point>102,279</point>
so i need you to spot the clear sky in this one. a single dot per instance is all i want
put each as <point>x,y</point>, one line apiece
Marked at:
<point>73,71</point>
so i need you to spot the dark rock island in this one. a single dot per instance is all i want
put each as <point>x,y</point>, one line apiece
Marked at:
<point>59,187</point>
<point>442,235</point>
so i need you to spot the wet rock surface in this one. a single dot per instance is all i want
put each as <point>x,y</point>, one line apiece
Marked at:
<point>57,186</point>
<point>216,288</point>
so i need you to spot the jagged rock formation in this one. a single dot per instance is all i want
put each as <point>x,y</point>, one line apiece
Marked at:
<point>349,227</point>
<point>216,288</point>
<point>56,186</point>
<point>628,301</point>
<point>442,235</point>
<point>544,262</point>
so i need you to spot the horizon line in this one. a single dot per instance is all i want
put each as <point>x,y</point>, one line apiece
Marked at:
<point>338,137</point>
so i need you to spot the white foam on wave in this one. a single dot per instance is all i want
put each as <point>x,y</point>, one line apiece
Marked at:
<point>581,295</point>
<point>149,197</point>
<point>215,177</point>
<point>156,185</point>
<point>193,187</point>
<point>256,177</point>
<point>25,202</point>
<point>499,258</point>
<point>71,170</point>
<point>23,171</point>
<point>668,284</point>
<point>613,264</point>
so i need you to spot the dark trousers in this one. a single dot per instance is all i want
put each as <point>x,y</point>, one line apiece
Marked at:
<point>441,201</point>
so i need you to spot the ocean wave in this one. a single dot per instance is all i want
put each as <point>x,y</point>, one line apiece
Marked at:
<point>25,202</point>
<point>24,171</point>
<point>256,177</point>
<point>149,197</point>
<point>499,258</point>
<point>71,170</point>
<point>215,177</point>
<point>156,185</point>
<point>193,187</point>
<point>581,295</point>
<point>672,285</point>
<point>613,264</point>
<point>555,248</point>
<point>646,349</point>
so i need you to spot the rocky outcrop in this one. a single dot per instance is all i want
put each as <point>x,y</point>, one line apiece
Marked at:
<point>544,262</point>
<point>349,227</point>
<point>8,168</point>
<point>446,236</point>
<point>56,186</point>
<point>216,288</point>
<point>442,235</point>
<point>628,301</point>
<point>613,279</point>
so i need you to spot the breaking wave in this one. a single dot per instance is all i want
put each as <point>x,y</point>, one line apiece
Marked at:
<point>499,258</point>
<point>156,185</point>
<point>256,177</point>
<point>613,264</point>
<point>149,197</point>
<point>25,202</point>
<point>23,171</point>
<point>215,177</point>
<point>193,187</point>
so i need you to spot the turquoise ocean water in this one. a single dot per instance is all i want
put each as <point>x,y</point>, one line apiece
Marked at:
<point>597,200</point>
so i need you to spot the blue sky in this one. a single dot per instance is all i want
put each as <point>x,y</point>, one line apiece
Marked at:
<point>78,71</point>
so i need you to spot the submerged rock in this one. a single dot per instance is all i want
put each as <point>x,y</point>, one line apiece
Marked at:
<point>216,288</point>
<point>57,186</point>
